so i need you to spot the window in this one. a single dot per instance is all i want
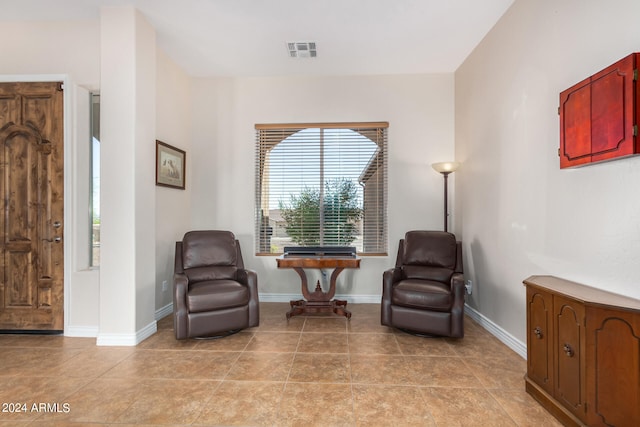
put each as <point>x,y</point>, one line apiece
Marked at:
<point>94,187</point>
<point>321,185</point>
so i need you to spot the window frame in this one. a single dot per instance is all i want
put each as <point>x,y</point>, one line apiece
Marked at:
<point>376,132</point>
<point>94,112</point>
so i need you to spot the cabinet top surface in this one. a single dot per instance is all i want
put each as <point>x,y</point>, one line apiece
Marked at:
<point>584,293</point>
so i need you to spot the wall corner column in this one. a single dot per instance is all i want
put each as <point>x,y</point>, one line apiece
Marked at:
<point>127,165</point>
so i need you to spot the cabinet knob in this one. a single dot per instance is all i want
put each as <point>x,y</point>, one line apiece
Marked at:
<point>538,332</point>
<point>567,350</point>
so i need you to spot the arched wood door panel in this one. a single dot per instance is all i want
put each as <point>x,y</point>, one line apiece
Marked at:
<point>31,206</point>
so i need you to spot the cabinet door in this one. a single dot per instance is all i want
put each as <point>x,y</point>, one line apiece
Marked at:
<point>569,381</point>
<point>539,338</point>
<point>597,116</point>
<point>614,374</point>
<point>575,125</point>
<point>612,108</point>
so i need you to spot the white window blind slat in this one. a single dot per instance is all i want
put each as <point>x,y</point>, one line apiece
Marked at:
<point>321,185</point>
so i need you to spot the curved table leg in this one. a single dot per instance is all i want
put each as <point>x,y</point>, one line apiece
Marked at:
<point>318,301</point>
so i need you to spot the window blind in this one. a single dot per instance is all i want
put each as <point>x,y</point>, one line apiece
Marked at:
<point>321,184</point>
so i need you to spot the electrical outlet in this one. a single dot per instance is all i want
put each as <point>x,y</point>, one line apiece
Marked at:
<point>165,286</point>
<point>468,286</point>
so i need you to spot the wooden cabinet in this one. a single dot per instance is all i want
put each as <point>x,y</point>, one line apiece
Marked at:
<point>599,116</point>
<point>583,352</point>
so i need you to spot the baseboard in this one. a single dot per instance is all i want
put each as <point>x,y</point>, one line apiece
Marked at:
<point>94,331</point>
<point>127,340</point>
<point>507,339</point>
<point>355,299</point>
<point>81,331</point>
<point>164,311</point>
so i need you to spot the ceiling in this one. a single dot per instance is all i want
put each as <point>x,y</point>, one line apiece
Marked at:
<point>249,37</point>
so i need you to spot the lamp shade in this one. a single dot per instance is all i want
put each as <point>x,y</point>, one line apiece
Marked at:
<point>446,167</point>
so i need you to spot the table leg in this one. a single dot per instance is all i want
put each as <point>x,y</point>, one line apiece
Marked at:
<point>318,301</point>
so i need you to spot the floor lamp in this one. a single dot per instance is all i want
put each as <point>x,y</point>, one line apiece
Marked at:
<point>445,168</point>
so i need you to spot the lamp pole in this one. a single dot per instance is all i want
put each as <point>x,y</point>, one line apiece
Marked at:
<point>446,198</point>
<point>446,168</point>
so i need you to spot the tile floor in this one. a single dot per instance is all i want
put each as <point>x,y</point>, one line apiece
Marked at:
<point>312,371</point>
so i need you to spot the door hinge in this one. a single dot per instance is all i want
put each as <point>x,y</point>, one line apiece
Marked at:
<point>558,152</point>
<point>558,110</point>
<point>60,86</point>
<point>635,130</point>
<point>635,74</point>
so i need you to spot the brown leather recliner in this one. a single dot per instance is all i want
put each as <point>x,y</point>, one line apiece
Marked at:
<point>424,293</point>
<point>213,294</point>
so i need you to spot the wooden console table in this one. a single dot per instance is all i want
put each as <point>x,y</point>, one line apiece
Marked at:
<point>318,301</point>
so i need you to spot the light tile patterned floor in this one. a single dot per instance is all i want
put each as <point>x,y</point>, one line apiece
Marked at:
<point>312,371</point>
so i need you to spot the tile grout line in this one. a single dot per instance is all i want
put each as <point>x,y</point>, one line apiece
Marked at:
<point>217,387</point>
<point>353,394</point>
<point>286,381</point>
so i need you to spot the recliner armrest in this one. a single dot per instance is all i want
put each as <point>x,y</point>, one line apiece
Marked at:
<point>457,283</point>
<point>180,288</point>
<point>389,277</point>
<point>249,278</point>
<point>457,310</point>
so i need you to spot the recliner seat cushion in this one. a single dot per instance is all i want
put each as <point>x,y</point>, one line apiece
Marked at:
<point>438,274</point>
<point>216,295</point>
<point>423,294</point>
<point>200,274</point>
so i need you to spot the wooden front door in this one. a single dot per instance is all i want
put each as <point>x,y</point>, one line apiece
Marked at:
<point>31,207</point>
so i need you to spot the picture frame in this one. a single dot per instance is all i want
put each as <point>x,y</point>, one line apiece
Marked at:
<point>170,166</point>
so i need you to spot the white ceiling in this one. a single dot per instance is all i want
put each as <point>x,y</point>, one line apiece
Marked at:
<point>248,37</point>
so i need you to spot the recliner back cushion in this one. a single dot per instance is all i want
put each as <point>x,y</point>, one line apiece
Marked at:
<point>430,249</point>
<point>209,255</point>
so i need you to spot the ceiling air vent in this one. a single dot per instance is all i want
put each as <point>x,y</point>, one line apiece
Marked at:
<point>302,49</point>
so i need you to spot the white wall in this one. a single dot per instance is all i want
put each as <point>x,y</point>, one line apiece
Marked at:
<point>173,207</point>
<point>419,109</point>
<point>521,214</point>
<point>70,48</point>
